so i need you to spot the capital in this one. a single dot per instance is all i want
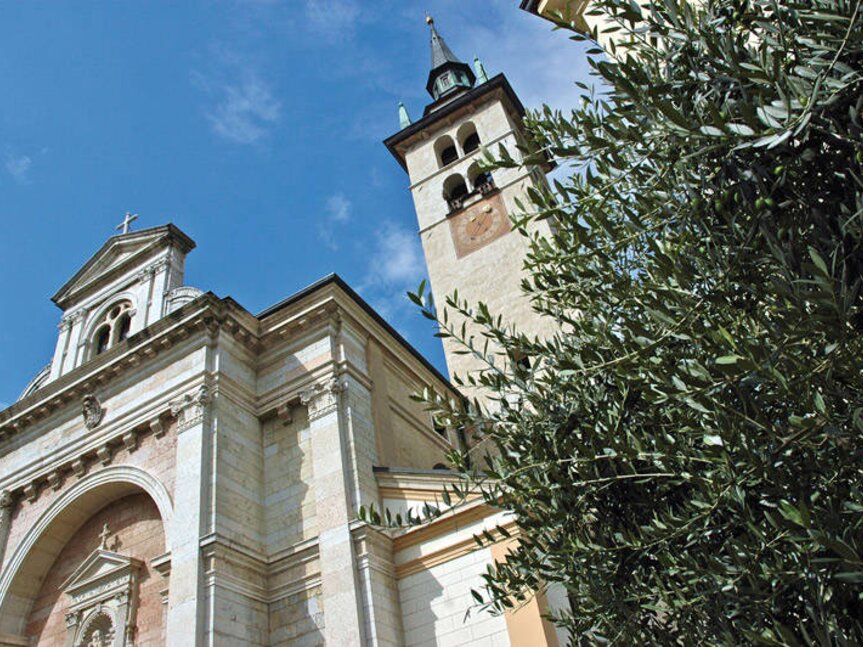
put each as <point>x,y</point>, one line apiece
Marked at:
<point>191,408</point>
<point>323,398</point>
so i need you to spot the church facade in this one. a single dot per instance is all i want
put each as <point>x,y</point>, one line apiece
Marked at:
<point>185,472</point>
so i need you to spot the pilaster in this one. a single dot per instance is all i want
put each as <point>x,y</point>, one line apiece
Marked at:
<point>332,483</point>
<point>186,600</point>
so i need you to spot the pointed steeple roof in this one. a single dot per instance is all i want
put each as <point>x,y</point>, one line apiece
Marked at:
<point>440,51</point>
<point>448,73</point>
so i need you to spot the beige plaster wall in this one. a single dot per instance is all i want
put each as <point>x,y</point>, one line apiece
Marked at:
<point>434,602</point>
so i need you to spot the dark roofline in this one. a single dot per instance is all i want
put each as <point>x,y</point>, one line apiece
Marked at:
<point>529,5</point>
<point>496,82</point>
<point>335,279</point>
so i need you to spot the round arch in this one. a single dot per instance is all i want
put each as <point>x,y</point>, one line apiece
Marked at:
<point>95,319</point>
<point>23,573</point>
<point>445,151</point>
<point>468,137</point>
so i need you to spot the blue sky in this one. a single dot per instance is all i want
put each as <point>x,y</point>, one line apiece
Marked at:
<point>254,126</point>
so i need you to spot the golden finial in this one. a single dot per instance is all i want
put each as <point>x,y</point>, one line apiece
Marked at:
<point>429,20</point>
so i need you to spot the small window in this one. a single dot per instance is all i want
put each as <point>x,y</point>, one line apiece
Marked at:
<point>103,338</point>
<point>440,466</point>
<point>520,359</point>
<point>454,191</point>
<point>123,326</point>
<point>445,151</point>
<point>468,137</point>
<point>483,180</point>
<point>448,155</point>
<point>471,143</point>
<point>440,429</point>
<point>113,328</point>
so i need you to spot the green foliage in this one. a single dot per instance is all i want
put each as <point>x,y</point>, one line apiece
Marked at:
<point>685,455</point>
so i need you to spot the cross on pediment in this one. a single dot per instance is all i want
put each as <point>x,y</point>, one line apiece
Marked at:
<point>127,220</point>
<point>104,536</point>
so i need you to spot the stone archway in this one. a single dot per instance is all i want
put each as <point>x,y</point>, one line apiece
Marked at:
<point>32,559</point>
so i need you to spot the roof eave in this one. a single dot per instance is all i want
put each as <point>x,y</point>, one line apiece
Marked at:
<point>498,81</point>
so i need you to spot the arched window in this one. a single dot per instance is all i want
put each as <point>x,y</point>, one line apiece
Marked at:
<point>113,328</point>
<point>454,191</point>
<point>468,137</point>
<point>480,180</point>
<point>103,339</point>
<point>124,323</point>
<point>445,150</point>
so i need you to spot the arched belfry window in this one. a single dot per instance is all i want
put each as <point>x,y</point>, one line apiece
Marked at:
<point>454,191</point>
<point>480,180</point>
<point>112,328</point>
<point>468,137</point>
<point>446,151</point>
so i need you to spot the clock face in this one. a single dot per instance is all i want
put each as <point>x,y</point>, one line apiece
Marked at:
<point>478,225</point>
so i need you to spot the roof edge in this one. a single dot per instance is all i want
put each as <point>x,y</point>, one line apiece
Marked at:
<point>335,279</point>
<point>499,81</point>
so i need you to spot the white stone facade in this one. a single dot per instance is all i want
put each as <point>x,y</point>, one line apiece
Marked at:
<point>252,440</point>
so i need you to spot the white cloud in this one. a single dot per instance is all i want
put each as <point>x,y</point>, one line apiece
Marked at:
<point>395,266</point>
<point>18,167</point>
<point>397,260</point>
<point>339,208</point>
<point>246,111</point>
<point>332,19</point>
<point>338,212</point>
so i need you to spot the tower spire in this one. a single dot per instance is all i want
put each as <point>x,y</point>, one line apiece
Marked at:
<point>448,73</point>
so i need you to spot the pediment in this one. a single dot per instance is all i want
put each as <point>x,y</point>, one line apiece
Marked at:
<point>101,566</point>
<point>120,254</point>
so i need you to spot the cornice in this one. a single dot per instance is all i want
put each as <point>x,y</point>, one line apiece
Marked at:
<point>205,317</point>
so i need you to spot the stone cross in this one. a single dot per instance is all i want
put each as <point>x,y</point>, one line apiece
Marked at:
<point>104,535</point>
<point>128,220</point>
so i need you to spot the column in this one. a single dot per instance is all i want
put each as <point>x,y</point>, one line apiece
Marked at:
<point>330,464</point>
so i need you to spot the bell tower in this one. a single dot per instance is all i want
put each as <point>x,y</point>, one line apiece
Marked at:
<point>464,211</point>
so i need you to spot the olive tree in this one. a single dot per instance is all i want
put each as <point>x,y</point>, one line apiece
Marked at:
<point>685,455</point>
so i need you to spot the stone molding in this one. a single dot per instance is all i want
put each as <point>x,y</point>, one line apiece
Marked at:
<point>68,320</point>
<point>323,398</point>
<point>103,600</point>
<point>191,408</point>
<point>151,270</point>
<point>210,319</point>
<point>117,474</point>
<point>103,454</point>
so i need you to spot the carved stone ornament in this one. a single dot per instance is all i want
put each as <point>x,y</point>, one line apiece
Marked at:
<point>6,500</point>
<point>190,409</point>
<point>92,411</point>
<point>322,398</point>
<point>103,599</point>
